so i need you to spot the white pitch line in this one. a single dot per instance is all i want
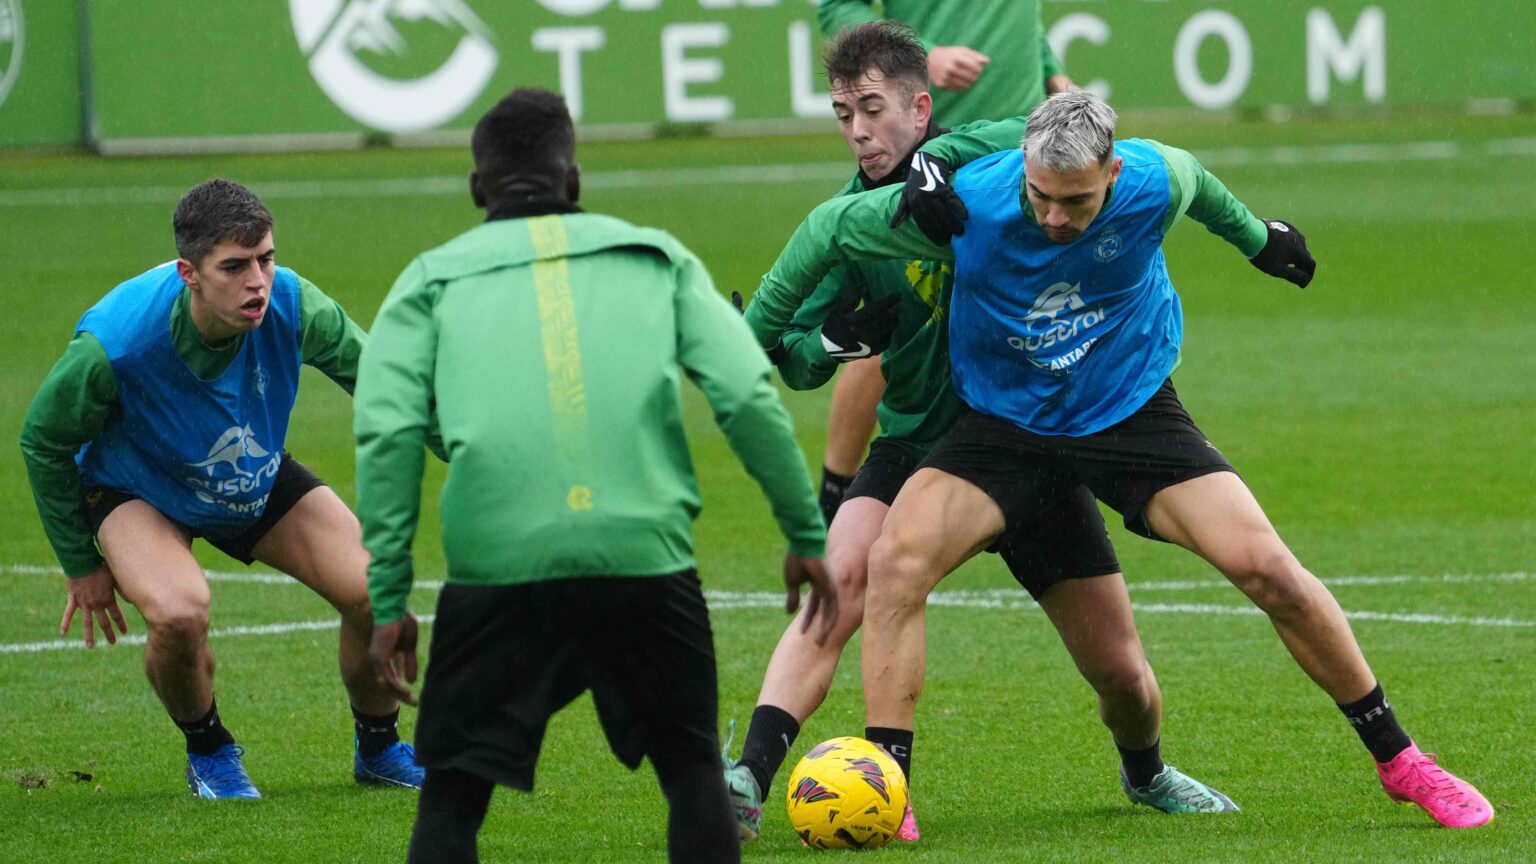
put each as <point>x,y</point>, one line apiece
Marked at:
<point>724,601</point>
<point>437,186</point>
<point>261,578</point>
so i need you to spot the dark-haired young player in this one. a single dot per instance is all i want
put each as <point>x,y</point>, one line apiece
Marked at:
<point>551,343</point>
<point>165,420</point>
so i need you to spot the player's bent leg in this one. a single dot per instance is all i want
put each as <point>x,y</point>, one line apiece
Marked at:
<point>152,562</point>
<point>1093,616</point>
<point>800,672</point>
<point>319,543</point>
<point>937,522</point>
<point>1216,517</point>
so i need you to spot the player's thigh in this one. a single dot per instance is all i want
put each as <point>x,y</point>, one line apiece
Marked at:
<point>318,542</point>
<point>1216,517</point>
<point>937,522</point>
<point>151,560</point>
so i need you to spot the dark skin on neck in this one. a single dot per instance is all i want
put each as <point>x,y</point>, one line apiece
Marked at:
<point>492,193</point>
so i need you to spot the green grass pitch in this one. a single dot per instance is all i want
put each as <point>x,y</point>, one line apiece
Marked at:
<point>1384,417</point>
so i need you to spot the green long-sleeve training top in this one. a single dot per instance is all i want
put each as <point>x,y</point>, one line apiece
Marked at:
<point>552,347</point>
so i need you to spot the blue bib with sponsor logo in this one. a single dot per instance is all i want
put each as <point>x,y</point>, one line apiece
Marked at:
<point>201,452</point>
<point>1063,338</point>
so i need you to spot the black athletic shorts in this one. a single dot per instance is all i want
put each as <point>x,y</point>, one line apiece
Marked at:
<point>507,657</point>
<point>1125,465</point>
<point>293,481</point>
<point>1069,543</point>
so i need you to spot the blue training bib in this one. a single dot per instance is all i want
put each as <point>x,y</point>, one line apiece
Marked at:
<point>204,453</point>
<point>1063,339</point>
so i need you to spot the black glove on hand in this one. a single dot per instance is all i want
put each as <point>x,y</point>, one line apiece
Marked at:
<point>931,202</point>
<point>852,331</point>
<point>1285,255</point>
<point>776,353</point>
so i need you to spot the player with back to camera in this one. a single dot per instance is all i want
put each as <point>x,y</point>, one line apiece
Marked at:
<point>551,342</point>
<point>1065,328</point>
<point>166,420</point>
<point>879,87</point>
<point>987,60</point>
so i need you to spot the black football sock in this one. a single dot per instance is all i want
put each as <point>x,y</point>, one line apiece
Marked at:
<point>207,733</point>
<point>375,732</point>
<point>1141,766</point>
<point>769,736</point>
<point>448,817</point>
<point>897,742</point>
<point>833,487</point>
<point>1377,726</point>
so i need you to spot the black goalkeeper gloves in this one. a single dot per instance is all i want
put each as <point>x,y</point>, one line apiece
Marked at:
<point>931,202</point>
<point>1285,254</point>
<point>776,353</point>
<point>852,331</point>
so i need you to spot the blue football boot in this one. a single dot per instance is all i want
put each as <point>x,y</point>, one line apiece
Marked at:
<point>395,765</point>
<point>220,774</point>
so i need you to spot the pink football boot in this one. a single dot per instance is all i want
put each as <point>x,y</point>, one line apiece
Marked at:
<point>1412,777</point>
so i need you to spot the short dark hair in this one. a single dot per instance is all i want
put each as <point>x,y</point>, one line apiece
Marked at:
<point>527,133</point>
<point>890,48</point>
<point>215,211</point>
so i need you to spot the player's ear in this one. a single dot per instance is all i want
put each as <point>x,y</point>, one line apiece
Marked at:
<point>922,105</point>
<point>188,273</point>
<point>1114,169</point>
<point>573,183</point>
<point>475,194</point>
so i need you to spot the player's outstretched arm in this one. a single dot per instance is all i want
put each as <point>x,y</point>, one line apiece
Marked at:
<point>845,229</point>
<point>393,411</point>
<point>329,340</point>
<point>1274,247</point>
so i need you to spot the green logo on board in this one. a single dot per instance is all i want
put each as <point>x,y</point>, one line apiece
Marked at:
<point>12,40</point>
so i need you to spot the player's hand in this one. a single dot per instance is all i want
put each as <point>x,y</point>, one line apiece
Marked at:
<point>776,353</point>
<point>853,331</point>
<point>931,201</point>
<point>95,596</point>
<point>1285,255</point>
<point>820,601</point>
<point>393,653</point>
<point>1059,83</point>
<point>955,67</point>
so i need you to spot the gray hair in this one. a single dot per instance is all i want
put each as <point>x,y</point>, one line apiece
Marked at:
<point>1069,131</point>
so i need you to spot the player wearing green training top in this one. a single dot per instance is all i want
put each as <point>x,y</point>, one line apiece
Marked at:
<point>1064,329</point>
<point>989,60</point>
<point>551,342</point>
<point>879,91</point>
<point>165,420</point>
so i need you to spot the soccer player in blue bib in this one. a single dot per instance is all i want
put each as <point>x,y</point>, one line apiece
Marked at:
<point>165,420</point>
<point>1064,331</point>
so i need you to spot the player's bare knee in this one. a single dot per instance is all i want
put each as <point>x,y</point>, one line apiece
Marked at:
<point>1275,582</point>
<point>180,627</point>
<point>1123,679</point>
<point>898,571</point>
